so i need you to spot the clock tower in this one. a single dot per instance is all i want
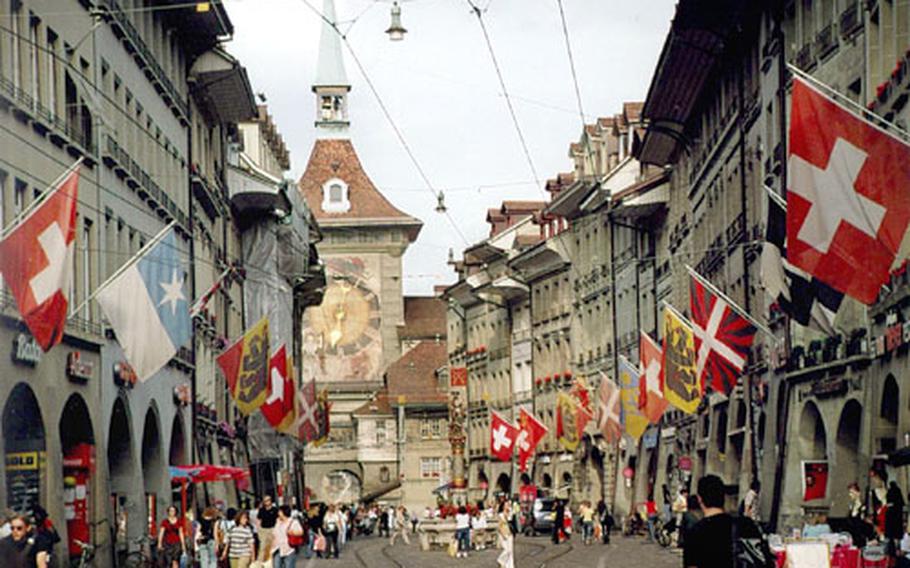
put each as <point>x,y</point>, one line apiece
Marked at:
<point>351,338</point>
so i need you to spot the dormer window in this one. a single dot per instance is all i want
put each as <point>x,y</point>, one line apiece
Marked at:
<point>335,196</point>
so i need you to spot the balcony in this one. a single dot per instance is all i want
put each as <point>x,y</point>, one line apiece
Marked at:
<point>61,132</point>
<point>826,41</point>
<point>805,58</point>
<point>850,21</point>
<point>118,159</point>
<point>142,55</point>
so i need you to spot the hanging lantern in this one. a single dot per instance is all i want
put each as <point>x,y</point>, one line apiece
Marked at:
<point>396,31</point>
<point>441,203</point>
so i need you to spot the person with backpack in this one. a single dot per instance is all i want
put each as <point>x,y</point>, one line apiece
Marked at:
<point>206,538</point>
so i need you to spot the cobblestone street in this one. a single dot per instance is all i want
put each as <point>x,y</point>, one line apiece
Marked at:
<point>531,552</point>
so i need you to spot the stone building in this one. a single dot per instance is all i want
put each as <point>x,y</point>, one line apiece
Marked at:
<point>354,333</point>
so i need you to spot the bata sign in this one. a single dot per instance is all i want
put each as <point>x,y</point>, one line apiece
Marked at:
<point>26,350</point>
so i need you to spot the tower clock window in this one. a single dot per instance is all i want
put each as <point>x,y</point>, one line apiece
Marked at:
<point>335,196</point>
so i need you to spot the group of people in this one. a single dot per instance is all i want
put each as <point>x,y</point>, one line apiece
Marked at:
<point>27,541</point>
<point>475,524</point>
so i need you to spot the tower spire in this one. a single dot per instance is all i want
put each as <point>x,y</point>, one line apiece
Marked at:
<point>331,85</point>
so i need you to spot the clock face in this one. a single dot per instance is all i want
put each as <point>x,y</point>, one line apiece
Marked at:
<point>348,318</point>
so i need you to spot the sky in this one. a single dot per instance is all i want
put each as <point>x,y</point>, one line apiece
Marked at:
<point>441,90</point>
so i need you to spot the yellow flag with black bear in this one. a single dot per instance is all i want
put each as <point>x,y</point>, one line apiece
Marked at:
<point>682,388</point>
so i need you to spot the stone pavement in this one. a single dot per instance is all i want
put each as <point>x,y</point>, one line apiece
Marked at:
<point>531,552</point>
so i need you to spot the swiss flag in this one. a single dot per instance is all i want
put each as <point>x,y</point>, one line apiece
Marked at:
<point>278,408</point>
<point>502,437</point>
<point>848,203</point>
<point>36,259</point>
<point>651,399</point>
<point>530,432</point>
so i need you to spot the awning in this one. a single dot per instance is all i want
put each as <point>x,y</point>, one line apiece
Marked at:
<point>205,473</point>
<point>222,88</point>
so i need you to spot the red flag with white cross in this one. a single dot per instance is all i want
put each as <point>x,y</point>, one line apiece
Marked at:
<point>36,259</point>
<point>502,437</point>
<point>278,408</point>
<point>651,399</point>
<point>722,338</point>
<point>531,431</point>
<point>307,422</point>
<point>848,204</point>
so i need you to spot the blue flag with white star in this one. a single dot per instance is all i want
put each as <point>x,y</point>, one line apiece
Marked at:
<point>147,306</point>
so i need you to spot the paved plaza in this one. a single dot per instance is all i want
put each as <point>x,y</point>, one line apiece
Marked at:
<point>531,552</point>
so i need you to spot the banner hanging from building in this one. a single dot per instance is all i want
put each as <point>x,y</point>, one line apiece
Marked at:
<point>245,365</point>
<point>815,479</point>
<point>680,378</point>
<point>633,418</point>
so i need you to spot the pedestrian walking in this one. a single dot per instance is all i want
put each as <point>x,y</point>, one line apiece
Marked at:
<point>478,530</point>
<point>506,558</point>
<point>19,550</point>
<point>286,536</point>
<point>171,539</point>
<point>44,533</point>
<point>709,544</point>
<point>239,545</point>
<point>894,519</point>
<point>690,518</point>
<point>266,517</point>
<point>331,524</point>
<point>750,501</point>
<point>401,527</point>
<point>651,512</point>
<point>206,539</point>
<point>586,514</point>
<point>463,531</point>
<point>559,519</point>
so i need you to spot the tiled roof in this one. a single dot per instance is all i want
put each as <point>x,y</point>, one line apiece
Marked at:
<point>632,110</point>
<point>424,318</point>
<point>495,215</point>
<point>338,159</point>
<point>516,206</point>
<point>606,122</point>
<point>379,406</point>
<point>413,376</point>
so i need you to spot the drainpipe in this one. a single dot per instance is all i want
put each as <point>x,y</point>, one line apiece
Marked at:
<point>748,384</point>
<point>783,407</point>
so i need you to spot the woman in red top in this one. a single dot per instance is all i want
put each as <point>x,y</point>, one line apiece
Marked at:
<point>171,539</point>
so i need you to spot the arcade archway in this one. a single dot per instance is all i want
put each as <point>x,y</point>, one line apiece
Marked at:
<point>24,449</point>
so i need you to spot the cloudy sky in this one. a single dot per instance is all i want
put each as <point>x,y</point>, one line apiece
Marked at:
<point>442,92</point>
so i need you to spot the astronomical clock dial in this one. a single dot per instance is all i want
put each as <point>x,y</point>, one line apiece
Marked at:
<point>349,317</point>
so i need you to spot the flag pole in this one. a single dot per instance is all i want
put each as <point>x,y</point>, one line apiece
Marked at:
<point>125,266</point>
<point>22,216</point>
<point>731,303</point>
<point>196,305</point>
<point>775,197</point>
<point>855,108</point>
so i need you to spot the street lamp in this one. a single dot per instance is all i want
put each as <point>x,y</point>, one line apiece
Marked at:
<point>396,31</point>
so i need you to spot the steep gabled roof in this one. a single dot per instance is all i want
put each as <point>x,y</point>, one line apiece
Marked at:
<point>336,158</point>
<point>424,318</point>
<point>413,376</point>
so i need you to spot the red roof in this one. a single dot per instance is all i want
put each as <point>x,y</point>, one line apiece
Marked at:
<point>338,159</point>
<point>632,110</point>
<point>379,406</point>
<point>413,376</point>
<point>424,318</point>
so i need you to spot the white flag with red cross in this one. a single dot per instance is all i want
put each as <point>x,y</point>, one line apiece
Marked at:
<point>848,204</point>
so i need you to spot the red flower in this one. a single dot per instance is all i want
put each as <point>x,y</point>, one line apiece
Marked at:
<point>548,378</point>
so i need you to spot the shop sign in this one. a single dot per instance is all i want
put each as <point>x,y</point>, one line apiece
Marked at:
<point>124,375</point>
<point>649,440</point>
<point>829,387</point>
<point>685,463</point>
<point>22,461</point>
<point>78,369</point>
<point>26,350</point>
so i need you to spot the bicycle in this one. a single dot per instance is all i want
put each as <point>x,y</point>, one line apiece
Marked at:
<point>140,557</point>
<point>87,555</point>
